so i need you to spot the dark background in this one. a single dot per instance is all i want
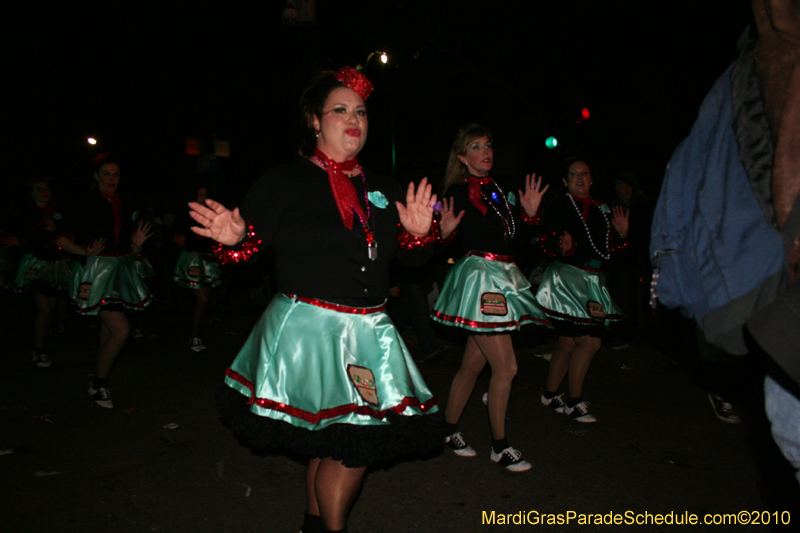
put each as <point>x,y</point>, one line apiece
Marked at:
<point>141,79</point>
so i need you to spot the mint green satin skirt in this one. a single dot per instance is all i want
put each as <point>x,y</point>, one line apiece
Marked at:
<point>313,367</point>
<point>484,295</point>
<point>144,267</point>
<point>54,275</point>
<point>108,281</point>
<point>577,301</point>
<point>194,270</point>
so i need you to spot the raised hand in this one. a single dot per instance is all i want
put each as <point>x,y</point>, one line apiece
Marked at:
<point>532,197</point>
<point>620,220</point>
<point>48,224</point>
<point>218,222</point>
<point>141,234</point>
<point>96,247</point>
<point>449,220</point>
<point>416,216</point>
<point>9,240</point>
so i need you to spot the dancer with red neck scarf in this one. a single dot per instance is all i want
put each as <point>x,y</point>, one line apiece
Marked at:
<point>324,372</point>
<point>107,284</point>
<point>485,292</point>
<point>580,234</point>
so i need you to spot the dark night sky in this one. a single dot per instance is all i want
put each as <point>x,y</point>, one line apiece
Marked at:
<point>142,79</point>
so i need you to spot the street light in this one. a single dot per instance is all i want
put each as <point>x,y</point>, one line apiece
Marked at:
<point>384,57</point>
<point>91,140</point>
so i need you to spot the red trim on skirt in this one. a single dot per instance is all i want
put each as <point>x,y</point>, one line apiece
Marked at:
<point>315,418</point>
<point>492,257</point>
<point>339,308</point>
<point>476,324</point>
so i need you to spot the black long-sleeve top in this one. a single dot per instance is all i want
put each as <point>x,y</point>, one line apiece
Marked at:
<point>293,210</point>
<point>484,233</point>
<point>562,216</point>
<point>30,229</point>
<point>192,241</point>
<point>93,218</point>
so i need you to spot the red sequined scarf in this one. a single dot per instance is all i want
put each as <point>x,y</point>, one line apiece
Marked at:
<point>474,191</point>
<point>344,192</point>
<point>584,204</point>
<point>116,208</point>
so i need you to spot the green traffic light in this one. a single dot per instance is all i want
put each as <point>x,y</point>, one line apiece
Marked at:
<point>551,142</point>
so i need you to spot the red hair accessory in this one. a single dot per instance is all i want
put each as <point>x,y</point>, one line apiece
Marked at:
<point>353,79</point>
<point>99,157</point>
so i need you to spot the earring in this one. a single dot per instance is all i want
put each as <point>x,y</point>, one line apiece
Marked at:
<point>317,135</point>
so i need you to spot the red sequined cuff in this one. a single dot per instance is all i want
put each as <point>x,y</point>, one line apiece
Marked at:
<point>571,251</point>
<point>409,242</point>
<point>535,220</point>
<point>241,252</point>
<point>548,242</point>
<point>617,243</point>
<point>437,231</point>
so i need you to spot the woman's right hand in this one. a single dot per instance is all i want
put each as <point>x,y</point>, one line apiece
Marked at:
<point>218,222</point>
<point>96,247</point>
<point>449,221</point>
<point>565,243</point>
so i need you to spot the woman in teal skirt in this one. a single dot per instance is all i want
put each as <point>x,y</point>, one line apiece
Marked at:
<point>44,268</point>
<point>485,292</point>
<point>197,269</point>
<point>580,234</point>
<point>324,372</point>
<point>108,284</point>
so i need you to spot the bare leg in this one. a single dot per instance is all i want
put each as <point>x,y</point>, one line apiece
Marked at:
<point>311,493</point>
<point>114,332</point>
<point>579,363</point>
<point>499,351</point>
<point>44,315</point>
<point>201,299</point>
<point>464,381</point>
<point>336,488</point>
<point>560,363</point>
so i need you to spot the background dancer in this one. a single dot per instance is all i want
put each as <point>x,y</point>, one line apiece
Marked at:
<point>580,234</point>
<point>197,269</point>
<point>485,292</point>
<point>107,284</point>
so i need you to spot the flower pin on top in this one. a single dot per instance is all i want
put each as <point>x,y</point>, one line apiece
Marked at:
<point>377,199</point>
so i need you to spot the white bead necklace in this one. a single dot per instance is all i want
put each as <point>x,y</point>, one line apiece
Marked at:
<point>509,228</point>
<point>606,256</point>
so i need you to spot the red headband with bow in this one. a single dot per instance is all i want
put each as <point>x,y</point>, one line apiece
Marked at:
<point>353,79</point>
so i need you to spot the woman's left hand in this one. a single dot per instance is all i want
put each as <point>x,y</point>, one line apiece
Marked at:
<point>9,240</point>
<point>141,234</point>
<point>620,220</point>
<point>416,216</point>
<point>532,197</point>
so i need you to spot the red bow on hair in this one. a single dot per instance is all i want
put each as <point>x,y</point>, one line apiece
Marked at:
<point>474,192</point>
<point>353,79</point>
<point>343,190</point>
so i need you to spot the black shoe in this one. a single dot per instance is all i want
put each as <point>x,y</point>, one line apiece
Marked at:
<point>456,443</point>
<point>511,459</point>
<point>101,397</point>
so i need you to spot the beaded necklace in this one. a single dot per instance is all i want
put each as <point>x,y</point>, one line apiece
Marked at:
<point>606,256</point>
<point>509,229</point>
<point>369,235</point>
